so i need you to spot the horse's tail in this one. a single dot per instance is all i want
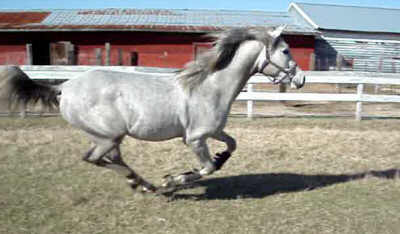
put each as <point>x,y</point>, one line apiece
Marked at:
<point>21,89</point>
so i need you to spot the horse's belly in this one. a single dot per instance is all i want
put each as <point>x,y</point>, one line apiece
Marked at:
<point>122,108</point>
<point>155,131</point>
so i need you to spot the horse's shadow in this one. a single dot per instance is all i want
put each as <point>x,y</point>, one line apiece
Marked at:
<point>262,185</point>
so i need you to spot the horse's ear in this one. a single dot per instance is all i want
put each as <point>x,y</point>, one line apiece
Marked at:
<point>277,31</point>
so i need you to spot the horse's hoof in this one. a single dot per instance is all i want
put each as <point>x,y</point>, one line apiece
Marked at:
<point>133,184</point>
<point>141,186</point>
<point>168,181</point>
<point>166,191</point>
<point>180,180</point>
<point>168,187</point>
<point>189,177</point>
<point>146,190</point>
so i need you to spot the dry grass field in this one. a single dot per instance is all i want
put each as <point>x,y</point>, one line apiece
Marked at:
<point>289,175</point>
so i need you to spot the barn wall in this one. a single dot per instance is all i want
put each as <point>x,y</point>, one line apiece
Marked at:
<point>12,54</point>
<point>360,51</point>
<point>301,48</point>
<point>153,49</point>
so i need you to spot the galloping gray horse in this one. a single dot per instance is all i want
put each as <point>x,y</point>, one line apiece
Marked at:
<point>192,104</point>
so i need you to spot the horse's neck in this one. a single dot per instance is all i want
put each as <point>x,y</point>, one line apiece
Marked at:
<point>231,80</point>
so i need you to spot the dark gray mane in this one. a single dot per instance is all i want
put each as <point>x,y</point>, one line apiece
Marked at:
<point>220,56</point>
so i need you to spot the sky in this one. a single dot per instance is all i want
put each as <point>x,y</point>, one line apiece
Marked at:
<point>262,5</point>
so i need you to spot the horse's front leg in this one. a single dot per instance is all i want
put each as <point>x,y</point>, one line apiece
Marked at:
<point>200,148</point>
<point>221,158</point>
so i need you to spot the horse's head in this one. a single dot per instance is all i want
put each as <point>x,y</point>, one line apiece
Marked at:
<point>275,61</point>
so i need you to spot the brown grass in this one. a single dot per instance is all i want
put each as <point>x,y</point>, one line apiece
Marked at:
<point>288,175</point>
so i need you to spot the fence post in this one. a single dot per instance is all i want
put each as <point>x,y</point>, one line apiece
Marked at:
<point>312,62</point>
<point>108,54</point>
<point>120,57</point>
<point>250,102</point>
<point>29,61</point>
<point>22,114</point>
<point>380,66</point>
<point>98,57</point>
<point>339,63</point>
<point>29,54</point>
<point>282,89</point>
<point>360,88</point>
<point>71,54</point>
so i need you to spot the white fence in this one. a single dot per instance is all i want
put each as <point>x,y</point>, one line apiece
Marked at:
<point>358,78</point>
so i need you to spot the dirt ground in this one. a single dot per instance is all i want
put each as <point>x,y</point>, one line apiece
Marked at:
<point>288,175</point>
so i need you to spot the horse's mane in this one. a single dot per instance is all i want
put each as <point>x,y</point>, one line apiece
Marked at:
<point>220,56</point>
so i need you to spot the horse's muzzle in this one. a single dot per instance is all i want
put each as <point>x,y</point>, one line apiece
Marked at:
<point>298,80</point>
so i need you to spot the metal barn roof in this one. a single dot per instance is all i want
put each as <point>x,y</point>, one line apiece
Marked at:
<point>348,18</point>
<point>144,20</point>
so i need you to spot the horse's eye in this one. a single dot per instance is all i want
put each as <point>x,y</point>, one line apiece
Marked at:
<point>285,51</point>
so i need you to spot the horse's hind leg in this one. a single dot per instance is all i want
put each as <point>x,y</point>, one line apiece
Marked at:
<point>107,154</point>
<point>116,163</point>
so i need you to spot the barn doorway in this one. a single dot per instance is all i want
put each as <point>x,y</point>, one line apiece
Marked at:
<point>41,53</point>
<point>134,58</point>
<point>62,53</point>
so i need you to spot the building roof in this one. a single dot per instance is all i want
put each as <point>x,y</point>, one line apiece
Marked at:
<point>348,18</point>
<point>144,20</point>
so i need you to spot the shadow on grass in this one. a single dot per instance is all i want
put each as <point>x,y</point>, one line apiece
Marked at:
<point>262,185</point>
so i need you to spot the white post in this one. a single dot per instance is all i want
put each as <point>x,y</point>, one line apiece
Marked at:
<point>22,107</point>
<point>360,88</point>
<point>29,61</point>
<point>250,102</point>
<point>108,54</point>
<point>29,54</point>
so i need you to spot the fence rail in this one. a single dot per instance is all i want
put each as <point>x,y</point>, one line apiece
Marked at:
<point>70,72</point>
<point>328,77</point>
<point>321,77</point>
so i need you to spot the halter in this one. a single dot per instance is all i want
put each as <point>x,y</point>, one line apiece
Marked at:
<point>290,72</point>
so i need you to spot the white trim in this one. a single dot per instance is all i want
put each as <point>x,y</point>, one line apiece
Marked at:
<point>303,14</point>
<point>356,39</point>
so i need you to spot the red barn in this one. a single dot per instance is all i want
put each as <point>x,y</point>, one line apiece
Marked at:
<point>158,38</point>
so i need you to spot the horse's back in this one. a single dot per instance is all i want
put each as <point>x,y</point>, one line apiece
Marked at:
<point>109,103</point>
